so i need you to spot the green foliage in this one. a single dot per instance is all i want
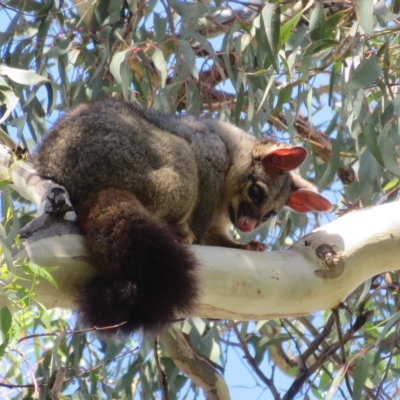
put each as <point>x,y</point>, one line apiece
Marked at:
<point>309,75</point>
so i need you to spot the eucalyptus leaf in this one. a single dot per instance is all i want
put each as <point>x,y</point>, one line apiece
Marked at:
<point>43,272</point>
<point>365,74</point>
<point>317,23</point>
<point>332,166</point>
<point>159,63</point>
<point>320,45</point>
<point>386,145</point>
<point>60,47</point>
<point>5,324</point>
<point>117,61</point>
<point>160,27</point>
<point>365,15</point>
<point>10,101</point>
<point>226,47</point>
<point>383,12</point>
<point>6,250</point>
<point>15,226</point>
<point>266,341</point>
<point>361,375</point>
<point>371,138</point>
<point>52,97</point>
<point>189,57</point>
<point>287,29</point>
<point>366,286</point>
<point>270,26</point>
<point>333,21</point>
<point>44,25</point>
<point>339,376</point>
<point>367,173</point>
<point>285,95</point>
<point>21,76</point>
<point>396,105</point>
<point>384,51</point>
<point>266,91</point>
<point>389,326</point>
<point>391,184</point>
<point>44,315</point>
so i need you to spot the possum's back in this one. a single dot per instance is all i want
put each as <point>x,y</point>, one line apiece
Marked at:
<point>112,143</point>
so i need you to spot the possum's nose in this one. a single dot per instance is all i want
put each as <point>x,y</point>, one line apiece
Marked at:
<point>246,224</point>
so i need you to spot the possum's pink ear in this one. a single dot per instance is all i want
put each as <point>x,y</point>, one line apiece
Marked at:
<point>303,201</point>
<point>284,159</point>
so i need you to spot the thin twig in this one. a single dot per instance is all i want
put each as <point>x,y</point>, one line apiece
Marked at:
<point>300,360</point>
<point>342,348</point>
<point>28,385</point>
<point>161,372</point>
<point>319,339</point>
<point>57,333</point>
<point>322,359</point>
<point>25,361</point>
<point>253,364</point>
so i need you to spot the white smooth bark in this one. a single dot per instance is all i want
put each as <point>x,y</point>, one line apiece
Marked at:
<point>317,273</point>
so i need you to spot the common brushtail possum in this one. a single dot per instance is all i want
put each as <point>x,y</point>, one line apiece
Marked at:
<point>144,184</point>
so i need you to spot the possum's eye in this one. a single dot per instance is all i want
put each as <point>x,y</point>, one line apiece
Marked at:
<point>268,215</point>
<point>255,193</point>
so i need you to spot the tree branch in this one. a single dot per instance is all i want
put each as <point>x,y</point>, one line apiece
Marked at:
<point>316,273</point>
<point>194,365</point>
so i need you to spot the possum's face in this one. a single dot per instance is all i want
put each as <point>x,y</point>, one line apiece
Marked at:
<point>260,194</point>
<point>259,199</point>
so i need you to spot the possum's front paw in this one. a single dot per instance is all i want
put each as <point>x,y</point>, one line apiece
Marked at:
<point>254,246</point>
<point>183,234</point>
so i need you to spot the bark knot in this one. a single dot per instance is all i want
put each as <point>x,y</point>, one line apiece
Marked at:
<point>333,261</point>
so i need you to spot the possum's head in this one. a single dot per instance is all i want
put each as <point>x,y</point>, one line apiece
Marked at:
<point>259,188</point>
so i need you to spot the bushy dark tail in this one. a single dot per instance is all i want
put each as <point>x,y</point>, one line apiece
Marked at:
<point>147,279</point>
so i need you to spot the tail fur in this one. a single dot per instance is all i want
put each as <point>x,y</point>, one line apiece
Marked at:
<point>147,279</point>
